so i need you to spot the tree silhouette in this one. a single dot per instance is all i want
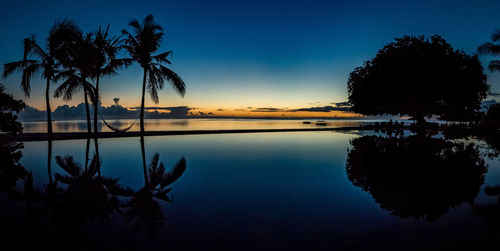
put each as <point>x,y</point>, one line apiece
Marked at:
<point>419,77</point>
<point>78,68</point>
<point>8,109</point>
<point>417,176</point>
<point>44,60</point>
<point>145,40</point>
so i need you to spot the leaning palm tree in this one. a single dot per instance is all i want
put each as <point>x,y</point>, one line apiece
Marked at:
<point>45,60</point>
<point>492,48</point>
<point>145,40</point>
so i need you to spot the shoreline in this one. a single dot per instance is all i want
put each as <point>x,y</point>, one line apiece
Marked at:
<point>25,137</point>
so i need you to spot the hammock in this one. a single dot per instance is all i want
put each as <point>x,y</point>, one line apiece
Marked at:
<point>116,129</point>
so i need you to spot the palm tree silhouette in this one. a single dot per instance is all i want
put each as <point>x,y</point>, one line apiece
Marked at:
<point>145,40</point>
<point>105,62</point>
<point>44,60</point>
<point>492,48</point>
<point>78,64</point>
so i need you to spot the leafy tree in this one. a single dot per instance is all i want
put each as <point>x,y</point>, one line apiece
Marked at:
<point>419,77</point>
<point>9,108</point>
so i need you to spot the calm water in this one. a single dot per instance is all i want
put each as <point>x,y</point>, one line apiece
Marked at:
<point>279,191</point>
<point>187,124</point>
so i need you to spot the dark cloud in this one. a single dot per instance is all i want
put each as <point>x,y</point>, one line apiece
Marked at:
<point>327,108</point>
<point>240,110</point>
<point>114,111</point>
<point>342,104</point>
<point>268,109</point>
<point>220,110</point>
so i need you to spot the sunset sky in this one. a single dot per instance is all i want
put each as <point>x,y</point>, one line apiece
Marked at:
<point>238,56</point>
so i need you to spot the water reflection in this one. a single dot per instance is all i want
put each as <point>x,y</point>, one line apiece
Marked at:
<point>10,169</point>
<point>80,195</point>
<point>416,177</point>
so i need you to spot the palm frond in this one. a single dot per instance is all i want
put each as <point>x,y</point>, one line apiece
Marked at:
<point>68,88</point>
<point>68,164</point>
<point>489,48</point>
<point>174,79</point>
<point>162,57</point>
<point>175,173</point>
<point>496,36</point>
<point>31,48</point>
<point>494,65</point>
<point>28,72</point>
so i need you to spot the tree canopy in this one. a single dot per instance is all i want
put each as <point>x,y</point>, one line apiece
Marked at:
<point>420,77</point>
<point>9,107</point>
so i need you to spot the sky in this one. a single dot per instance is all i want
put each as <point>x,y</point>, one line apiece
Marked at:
<point>238,56</point>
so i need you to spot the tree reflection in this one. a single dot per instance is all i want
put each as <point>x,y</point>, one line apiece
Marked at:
<point>10,169</point>
<point>417,176</point>
<point>143,211</point>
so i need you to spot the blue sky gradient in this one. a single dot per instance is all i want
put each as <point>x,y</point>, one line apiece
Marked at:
<point>235,54</point>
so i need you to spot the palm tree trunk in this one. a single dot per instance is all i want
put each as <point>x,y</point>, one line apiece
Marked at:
<point>96,105</point>
<point>142,101</point>
<point>146,183</point>
<point>89,127</point>
<point>49,111</point>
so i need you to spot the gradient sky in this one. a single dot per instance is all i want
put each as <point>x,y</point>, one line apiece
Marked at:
<point>239,54</point>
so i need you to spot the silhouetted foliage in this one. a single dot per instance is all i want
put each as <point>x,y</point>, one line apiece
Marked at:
<point>87,195</point>
<point>416,177</point>
<point>10,168</point>
<point>9,107</point>
<point>44,61</point>
<point>419,77</point>
<point>145,40</point>
<point>492,48</point>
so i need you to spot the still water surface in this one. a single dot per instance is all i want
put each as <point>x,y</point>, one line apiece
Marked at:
<point>188,124</point>
<point>279,191</point>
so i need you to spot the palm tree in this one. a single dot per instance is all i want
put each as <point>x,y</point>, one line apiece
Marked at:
<point>105,62</point>
<point>44,60</point>
<point>78,66</point>
<point>145,40</point>
<point>492,48</point>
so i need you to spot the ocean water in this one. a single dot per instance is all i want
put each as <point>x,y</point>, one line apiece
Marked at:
<point>262,191</point>
<point>188,124</point>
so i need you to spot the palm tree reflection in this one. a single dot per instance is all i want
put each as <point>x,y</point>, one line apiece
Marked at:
<point>143,211</point>
<point>416,176</point>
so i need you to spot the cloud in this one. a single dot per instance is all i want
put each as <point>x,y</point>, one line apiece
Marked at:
<point>268,109</point>
<point>220,110</point>
<point>342,104</point>
<point>327,108</point>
